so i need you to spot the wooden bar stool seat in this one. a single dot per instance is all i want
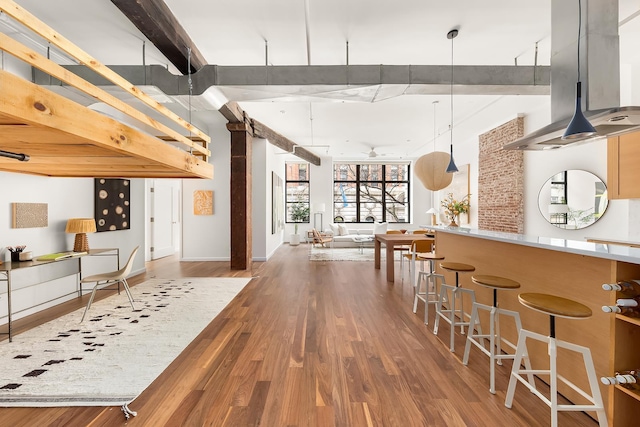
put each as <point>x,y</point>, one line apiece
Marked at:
<point>430,293</point>
<point>456,292</point>
<point>495,339</point>
<point>555,306</point>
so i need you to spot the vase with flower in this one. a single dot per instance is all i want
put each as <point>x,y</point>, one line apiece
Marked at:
<point>453,208</point>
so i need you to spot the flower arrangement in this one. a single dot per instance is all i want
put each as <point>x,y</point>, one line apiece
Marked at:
<point>453,207</point>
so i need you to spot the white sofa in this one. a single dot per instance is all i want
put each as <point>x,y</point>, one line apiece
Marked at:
<point>343,236</point>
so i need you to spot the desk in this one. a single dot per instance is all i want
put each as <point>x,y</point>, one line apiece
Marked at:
<point>42,273</point>
<point>390,240</point>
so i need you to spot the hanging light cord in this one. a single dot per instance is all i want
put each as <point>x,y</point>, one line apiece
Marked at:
<point>451,92</point>
<point>579,33</point>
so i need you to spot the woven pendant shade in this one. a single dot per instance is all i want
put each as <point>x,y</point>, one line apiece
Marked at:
<point>431,169</point>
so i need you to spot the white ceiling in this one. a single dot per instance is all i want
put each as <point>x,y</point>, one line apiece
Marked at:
<point>403,32</point>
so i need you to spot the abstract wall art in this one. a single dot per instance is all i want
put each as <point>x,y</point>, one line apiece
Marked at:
<point>203,202</point>
<point>29,215</point>
<point>112,204</point>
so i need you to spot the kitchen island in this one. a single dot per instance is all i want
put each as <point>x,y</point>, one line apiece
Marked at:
<point>570,269</point>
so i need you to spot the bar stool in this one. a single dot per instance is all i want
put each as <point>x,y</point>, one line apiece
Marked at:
<point>556,306</point>
<point>430,294</point>
<point>495,339</point>
<point>456,293</point>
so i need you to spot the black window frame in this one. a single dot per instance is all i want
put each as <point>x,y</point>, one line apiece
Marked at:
<point>389,169</point>
<point>289,203</point>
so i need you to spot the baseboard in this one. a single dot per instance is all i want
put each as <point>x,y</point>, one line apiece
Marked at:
<point>192,259</point>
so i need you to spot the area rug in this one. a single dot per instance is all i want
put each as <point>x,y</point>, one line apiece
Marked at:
<point>111,357</point>
<point>341,254</point>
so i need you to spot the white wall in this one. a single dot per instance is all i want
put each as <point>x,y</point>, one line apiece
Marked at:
<point>265,161</point>
<point>66,198</point>
<point>591,157</point>
<point>273,163</point>
<point>207,237</point>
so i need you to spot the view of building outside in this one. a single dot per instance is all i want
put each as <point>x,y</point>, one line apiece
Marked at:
<point>371,192</point>
<point>297,192</point>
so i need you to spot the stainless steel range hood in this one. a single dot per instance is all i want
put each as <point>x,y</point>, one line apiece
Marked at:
<point>599,70</point>
<point>608,122</point>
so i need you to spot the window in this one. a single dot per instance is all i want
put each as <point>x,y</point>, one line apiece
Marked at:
<point>297,188</point>
<point>371,192</point>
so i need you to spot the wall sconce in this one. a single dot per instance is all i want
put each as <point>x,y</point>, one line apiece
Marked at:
<point>81,226</point>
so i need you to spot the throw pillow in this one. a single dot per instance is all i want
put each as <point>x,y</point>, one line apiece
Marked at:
<point>343,230</point>
<point>334,229</point>
<point>380,228</point>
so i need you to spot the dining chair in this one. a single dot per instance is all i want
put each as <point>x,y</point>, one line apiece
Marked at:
<point>110,278</point>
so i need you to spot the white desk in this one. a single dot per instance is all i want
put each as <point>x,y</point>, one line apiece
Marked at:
<point>36,272</point>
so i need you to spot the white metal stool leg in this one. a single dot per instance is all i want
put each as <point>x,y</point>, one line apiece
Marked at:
<point>449,314</point>
<point>594,398</point>
<point>495,340</point>
<point>430,294</point>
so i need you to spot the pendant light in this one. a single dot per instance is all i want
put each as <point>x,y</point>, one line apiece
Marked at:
<point>452,168</point>
<point>579,126</point>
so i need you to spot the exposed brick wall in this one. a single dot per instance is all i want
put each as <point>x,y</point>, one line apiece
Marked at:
<point>501,180</point>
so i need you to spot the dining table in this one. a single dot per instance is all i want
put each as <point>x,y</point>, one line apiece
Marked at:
<point>390,241</point>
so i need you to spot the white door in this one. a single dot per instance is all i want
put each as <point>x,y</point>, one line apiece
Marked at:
<point>165,217</point>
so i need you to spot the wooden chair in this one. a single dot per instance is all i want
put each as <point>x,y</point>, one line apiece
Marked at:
<point>417,246</point>
<point>320,239</point>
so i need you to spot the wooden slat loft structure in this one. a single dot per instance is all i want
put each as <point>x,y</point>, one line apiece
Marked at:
<point>65,139</point>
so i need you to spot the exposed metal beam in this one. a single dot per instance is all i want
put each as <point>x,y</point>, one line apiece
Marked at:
<point>155,20</point>
<point>417,79</point>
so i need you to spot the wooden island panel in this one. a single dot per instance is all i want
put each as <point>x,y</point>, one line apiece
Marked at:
<point>569,275</point>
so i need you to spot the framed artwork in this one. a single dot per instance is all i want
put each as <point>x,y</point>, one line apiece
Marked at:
<point>29,215</point>
<point>203,202</point>
<point>112,207</point>
<point>277,204</point>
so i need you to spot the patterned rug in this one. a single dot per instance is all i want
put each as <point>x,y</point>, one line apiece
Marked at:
<point>110,358</point>
<point>341,254</point>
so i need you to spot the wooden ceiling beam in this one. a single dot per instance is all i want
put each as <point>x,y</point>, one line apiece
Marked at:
<point>155,20</point>
<point>262,131</point>
<point>232,112</point>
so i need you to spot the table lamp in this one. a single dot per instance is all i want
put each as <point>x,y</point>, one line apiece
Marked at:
<point>81,226</point>
<point>433,212</point>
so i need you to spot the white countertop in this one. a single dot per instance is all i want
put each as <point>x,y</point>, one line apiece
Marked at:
<point>598,250</point>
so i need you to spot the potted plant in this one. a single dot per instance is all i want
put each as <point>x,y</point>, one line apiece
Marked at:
<point>299,213</point>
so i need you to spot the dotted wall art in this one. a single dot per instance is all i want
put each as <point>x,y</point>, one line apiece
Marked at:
<point>112,204</point>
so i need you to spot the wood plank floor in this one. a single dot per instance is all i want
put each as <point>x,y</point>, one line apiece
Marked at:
<point>310,344</point>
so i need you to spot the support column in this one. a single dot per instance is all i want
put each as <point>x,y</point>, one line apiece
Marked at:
<point>241,230</point>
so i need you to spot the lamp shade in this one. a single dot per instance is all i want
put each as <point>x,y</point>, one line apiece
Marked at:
<point>319,207</point>
<point>432,211</point>
<point>431,170</point>
<point>452,168</point>
<point>81,226</point>
<point>579,126</point>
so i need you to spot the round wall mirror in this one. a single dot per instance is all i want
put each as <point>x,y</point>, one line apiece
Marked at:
<point>573,199</point>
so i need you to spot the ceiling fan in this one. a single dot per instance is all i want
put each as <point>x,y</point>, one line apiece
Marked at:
<point>373,154</point>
